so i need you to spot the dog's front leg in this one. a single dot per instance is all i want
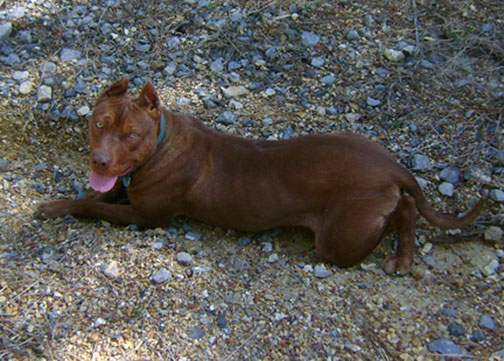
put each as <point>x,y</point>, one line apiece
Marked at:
<point>120,214</point>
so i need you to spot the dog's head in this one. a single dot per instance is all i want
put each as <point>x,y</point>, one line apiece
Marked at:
<point>122,133</point>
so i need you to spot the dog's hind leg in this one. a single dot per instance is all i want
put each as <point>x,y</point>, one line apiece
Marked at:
<point>403,220</point>
<point>353,228</point>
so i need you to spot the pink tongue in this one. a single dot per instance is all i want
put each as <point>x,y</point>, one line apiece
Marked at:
<point>101,183</point>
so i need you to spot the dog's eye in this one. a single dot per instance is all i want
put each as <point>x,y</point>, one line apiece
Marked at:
<point>133,136</point>
<point>99,125</point>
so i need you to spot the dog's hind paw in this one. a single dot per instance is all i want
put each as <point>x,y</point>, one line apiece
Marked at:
<point>397,265</point>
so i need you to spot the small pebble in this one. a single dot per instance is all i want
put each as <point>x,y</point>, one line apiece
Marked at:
<point>227,118</point>
<point>184,258</point>
<point>273,258</point>
<point>394,55</point>
<point>446,189</point>
<point>456,329</point>
<point>309,39</point>
<point>161,276</point>
<point>493,233</point>
<point>83,111</point>
<point>450,175</point>
<point>372,102</point>
<point>111,269</point>
<point>320,271</point>
<point>26,87</point>
<point>44,93</point>
<point>497,195</point>
<point>487,322</point>
<point>192,236</point>
<point>421,162</point>
<point>195,332</point>
<point>445,347</point>
<point>352,35</point>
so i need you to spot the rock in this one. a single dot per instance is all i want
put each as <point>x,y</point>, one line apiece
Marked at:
<point>192,236</point>
<point>195,332</point>
<point>479,175</point>
<point>353,117</point>
<point>309,39</point>
<point>273,258</point>
<point>238,264</point>
<point>235,91</point>
<point>497,195</point>
<point>161,276</point>
<point>487,322</point>
<point>267,247</point>
<point>26,87</point>
<point>44,94</point>
<point>352,35</point>
<point>422,182</point>
<point>47,69</point>
<point>491,268</point>
<point>4,165</point>
<point>450,175</point>
<point>487,27</point>
<point>173,43</point>
<point>226,117</point>
<point>170,69</point>
<point>184,258</point>
<point>83,111</point>
<point>394,55</point>
<point>270,92</point>
<point>320,271</point>
<point>421,162</point>
<point>372,102</point>
<point>477,336</point>
<point>449,312</point>
<point>382,72</point>
<point>235,104</point>
<point>217,66</point>
<point>446,189</point>
<point>69,54</point>
<point>493,233</point>
<point>317,61</point>
<point>111,270</point>
<point>446,347</point>
<point>328,79</point>
<point>221,321</point>
<point>426,64</point>
<point>456,329</point>
<point>20,75</point>
<point>5,31</point>
<point>499,155</point>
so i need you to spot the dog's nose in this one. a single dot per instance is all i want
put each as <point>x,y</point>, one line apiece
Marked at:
<point>101,160</point>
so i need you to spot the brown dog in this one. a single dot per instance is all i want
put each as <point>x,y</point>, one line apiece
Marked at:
<point>348,190</point>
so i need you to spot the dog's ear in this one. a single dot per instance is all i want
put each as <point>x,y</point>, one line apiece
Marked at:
<point>120,87</point>
<point>148,97</point>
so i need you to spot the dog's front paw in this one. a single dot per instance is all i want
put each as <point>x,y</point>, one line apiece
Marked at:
<point>53,209</point>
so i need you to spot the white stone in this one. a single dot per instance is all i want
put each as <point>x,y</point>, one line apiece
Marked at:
<point>26,87</point>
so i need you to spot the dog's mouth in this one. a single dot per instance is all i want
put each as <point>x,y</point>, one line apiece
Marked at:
<point>104,183</point>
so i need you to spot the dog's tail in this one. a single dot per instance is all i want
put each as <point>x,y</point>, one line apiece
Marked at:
<point>438,219</point>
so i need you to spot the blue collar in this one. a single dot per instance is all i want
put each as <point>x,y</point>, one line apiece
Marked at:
<point>126,179</point>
